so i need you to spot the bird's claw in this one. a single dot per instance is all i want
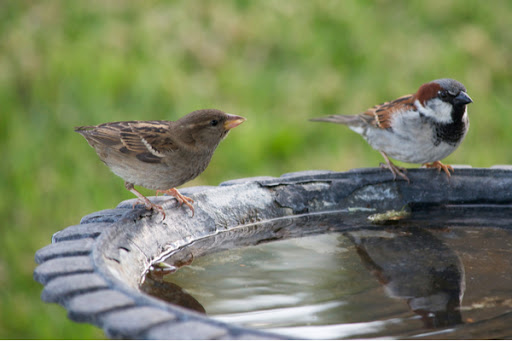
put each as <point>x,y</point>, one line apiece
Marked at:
<point>149,206</point>
<point>395,170</point>
<point>179,197</point>
<point>439,165</point>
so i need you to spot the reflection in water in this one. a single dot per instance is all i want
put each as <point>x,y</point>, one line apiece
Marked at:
<point>171,293</point>
<point>414,265</point>
<point>324,285</point>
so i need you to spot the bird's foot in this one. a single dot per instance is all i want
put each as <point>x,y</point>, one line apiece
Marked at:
<point>143,200</point>
<point>439,165</point>
<point>149,205</point>
<point>180,197</point>
<point>395,170</point>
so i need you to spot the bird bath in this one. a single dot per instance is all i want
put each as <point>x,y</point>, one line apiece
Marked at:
<point>433,261</point>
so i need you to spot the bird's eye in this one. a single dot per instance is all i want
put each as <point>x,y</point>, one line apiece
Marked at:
<point>443,94</point>
<point>213,123</point>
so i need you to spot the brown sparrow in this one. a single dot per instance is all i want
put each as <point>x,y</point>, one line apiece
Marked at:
<point>424,127</point>
<point>160,155</point>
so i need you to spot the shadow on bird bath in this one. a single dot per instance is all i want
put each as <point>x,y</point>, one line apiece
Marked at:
<point>298,256</point>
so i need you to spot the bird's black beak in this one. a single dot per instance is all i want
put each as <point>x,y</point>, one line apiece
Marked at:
<point>462,98</point>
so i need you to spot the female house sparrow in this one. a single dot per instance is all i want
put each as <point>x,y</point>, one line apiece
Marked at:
<point>424,127</point>
<point>160,155</point>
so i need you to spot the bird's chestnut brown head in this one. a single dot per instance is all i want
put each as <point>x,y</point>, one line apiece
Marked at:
<point>444,100</point>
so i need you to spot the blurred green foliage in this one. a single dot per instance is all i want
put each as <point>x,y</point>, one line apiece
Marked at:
<point>278,63</point>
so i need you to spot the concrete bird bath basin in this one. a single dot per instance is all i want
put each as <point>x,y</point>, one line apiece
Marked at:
<point>95,269</point>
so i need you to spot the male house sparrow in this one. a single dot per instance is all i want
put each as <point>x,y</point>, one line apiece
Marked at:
<point>160,155</point>
<point>424,127</point>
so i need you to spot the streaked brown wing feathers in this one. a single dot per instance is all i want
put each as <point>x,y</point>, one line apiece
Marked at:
<point>149,136</point>
<point>382,114</point>
<point>148,140</point>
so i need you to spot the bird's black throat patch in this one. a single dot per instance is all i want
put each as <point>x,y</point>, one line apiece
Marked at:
<point>451,133</point>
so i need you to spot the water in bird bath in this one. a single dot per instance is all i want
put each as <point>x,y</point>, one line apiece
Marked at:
<point>413,278</point>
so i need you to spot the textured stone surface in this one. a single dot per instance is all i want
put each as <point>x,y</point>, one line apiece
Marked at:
<point>62,288</point>
<point>251,336</point>
<point>188,330</point>
<point>104,216</point>
<point>79,247</point>
<point>62,267</point>
<point>132,322</point>
<point>246,180</point>
<point>94,269</point>
<point>506,167</point>
<point>81,231</point>
<point>87,307</point>
<point>307,173</point>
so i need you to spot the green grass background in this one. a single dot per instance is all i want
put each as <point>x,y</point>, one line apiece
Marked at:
<point>278,63</point>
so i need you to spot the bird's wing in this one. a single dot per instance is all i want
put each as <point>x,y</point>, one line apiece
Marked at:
<point>149,141</point>
<point>380,116</point>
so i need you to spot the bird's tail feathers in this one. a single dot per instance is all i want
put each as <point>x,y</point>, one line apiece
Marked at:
<point>350,120</point>
<point>95,135</point>
<point>84,129</point>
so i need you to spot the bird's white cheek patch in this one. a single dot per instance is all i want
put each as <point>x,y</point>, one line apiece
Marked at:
<point>436,109</point>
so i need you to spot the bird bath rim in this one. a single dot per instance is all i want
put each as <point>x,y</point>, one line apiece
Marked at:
<point>94,269</point>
